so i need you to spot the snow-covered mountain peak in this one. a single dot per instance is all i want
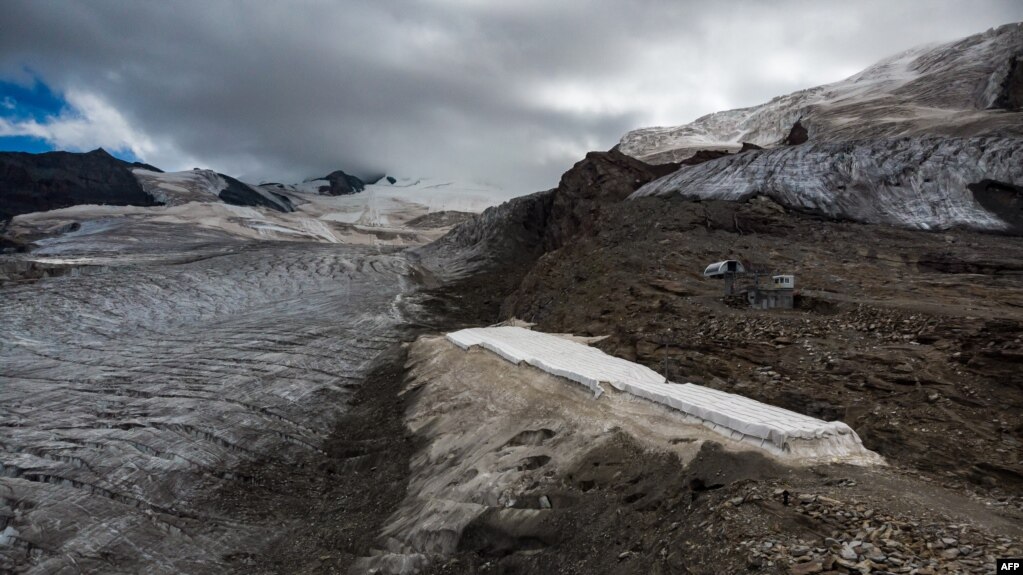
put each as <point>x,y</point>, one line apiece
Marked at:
<point>930,138</point>
<point>956,89</point>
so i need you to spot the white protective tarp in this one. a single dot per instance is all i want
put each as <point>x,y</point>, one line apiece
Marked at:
<point>739,417</point>
<point>557,355</point>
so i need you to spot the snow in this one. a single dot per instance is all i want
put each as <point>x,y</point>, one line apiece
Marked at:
<point>376,216</point>
<point>780,431</point>
<point>391,205</point>
<point>176,188</point>
<point>945,89</point>
<point>898,143</point>
<point>911,182</point>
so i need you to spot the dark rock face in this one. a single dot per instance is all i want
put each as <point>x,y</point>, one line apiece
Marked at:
<point>53,180</point>
<point>599,179</point>
<point>241,194</point>
<point>797,135</point>
<point>342,184</point>
<point>1003,199</point>
<point>506,236</point>
<point>700,157</point>
<point>511,237</point>
<point>1011,97</point>
<point>746,146</point>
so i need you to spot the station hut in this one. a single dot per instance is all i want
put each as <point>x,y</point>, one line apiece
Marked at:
<point>727,270</point>
<point>779,294</point>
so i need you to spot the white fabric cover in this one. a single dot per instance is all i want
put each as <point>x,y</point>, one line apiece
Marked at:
<point>739,417</point>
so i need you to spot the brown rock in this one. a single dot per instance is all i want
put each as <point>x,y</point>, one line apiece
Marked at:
<point>806,568</point>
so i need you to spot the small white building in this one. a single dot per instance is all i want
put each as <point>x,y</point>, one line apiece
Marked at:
<point>783,282</point>
<point>780,293</point>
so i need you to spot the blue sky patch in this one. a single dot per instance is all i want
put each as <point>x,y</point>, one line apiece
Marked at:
<point>38,102</point>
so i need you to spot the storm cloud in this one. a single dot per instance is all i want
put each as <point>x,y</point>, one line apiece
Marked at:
<point>511,93</point>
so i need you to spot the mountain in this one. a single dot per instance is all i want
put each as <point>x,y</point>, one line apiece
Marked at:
<point>336,183</point>
<point>104,205</point>
<point>40,182</point>
<point>54,180</point>
<point>970,87</point>
<point>176,188</point>
<point>929,139</point>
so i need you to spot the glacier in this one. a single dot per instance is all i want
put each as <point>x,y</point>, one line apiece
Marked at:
<point>928,139</point>
<point>129,394</point>
<point>922,183</point>
<point>951,89</point>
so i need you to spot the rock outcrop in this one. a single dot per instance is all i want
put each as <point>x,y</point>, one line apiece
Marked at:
<point>340,184</point>
<point>40,182</point>
<point>239,193</point>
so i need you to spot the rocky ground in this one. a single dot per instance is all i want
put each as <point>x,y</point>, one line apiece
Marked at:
<point>913,338</point>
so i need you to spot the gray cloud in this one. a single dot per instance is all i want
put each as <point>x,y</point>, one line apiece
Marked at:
<point>507,92</point>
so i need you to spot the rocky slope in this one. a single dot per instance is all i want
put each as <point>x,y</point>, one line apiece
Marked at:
<point>177,188</point>
<point>929,139</point>
<point>912,338</point>
<point>40,182</point>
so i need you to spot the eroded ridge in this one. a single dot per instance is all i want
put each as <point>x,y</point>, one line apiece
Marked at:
<point>780,431</point>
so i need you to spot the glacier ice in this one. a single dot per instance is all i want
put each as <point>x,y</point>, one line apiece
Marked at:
<point>129,394</point>
<point>913,182</point>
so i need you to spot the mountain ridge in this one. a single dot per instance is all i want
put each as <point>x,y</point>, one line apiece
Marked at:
<point>907,142</point>
<point>940,89</point>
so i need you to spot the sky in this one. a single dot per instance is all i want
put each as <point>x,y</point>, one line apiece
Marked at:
<point>510,93</point>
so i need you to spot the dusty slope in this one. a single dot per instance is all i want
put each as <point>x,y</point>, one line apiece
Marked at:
<point>517,471</point>
<point>925,324</point>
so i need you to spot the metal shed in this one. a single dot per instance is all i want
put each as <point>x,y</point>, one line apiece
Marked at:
<point>721,269</point>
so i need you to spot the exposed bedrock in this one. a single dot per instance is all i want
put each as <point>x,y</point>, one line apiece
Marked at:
<point>39,182</point>
<point>922,183</point>
<point>519,231</point>
<point>797,135</point>
<point>1011,97</point>
<point>341,184</point>
<point>241,194</point>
